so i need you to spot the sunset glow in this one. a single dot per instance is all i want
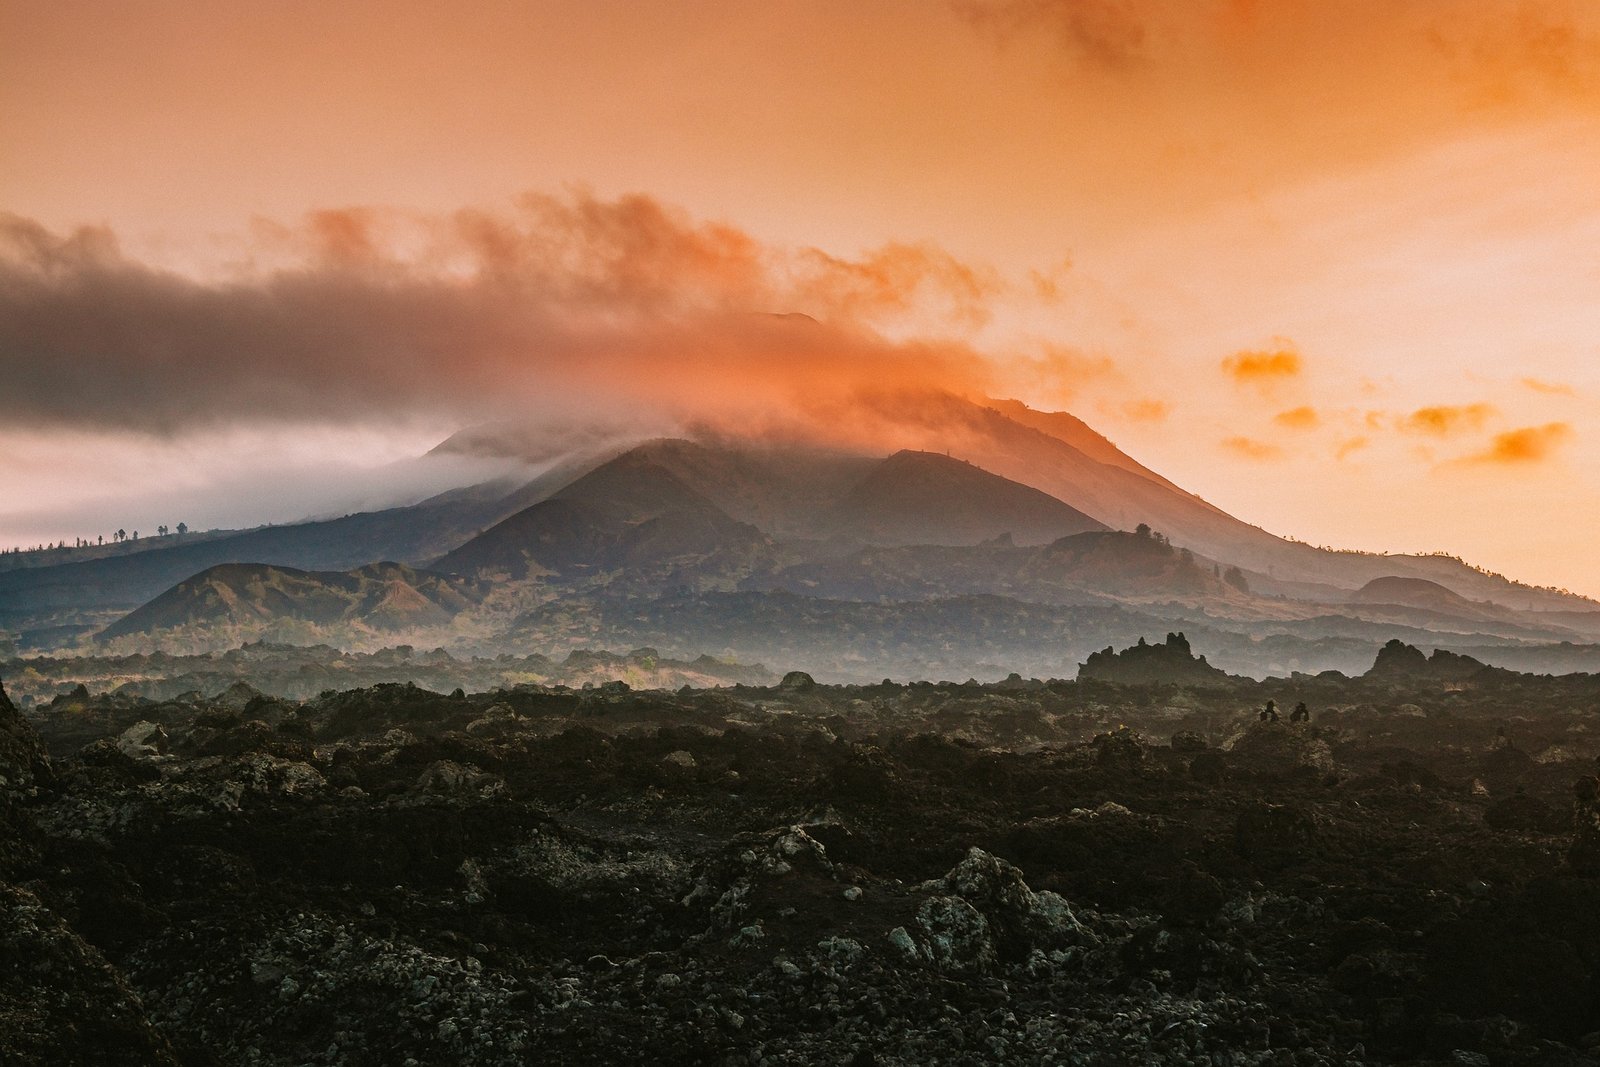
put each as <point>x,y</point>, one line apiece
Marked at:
<point>1331,266</point>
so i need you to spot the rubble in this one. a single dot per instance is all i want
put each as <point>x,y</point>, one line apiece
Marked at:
<point>887,874</point>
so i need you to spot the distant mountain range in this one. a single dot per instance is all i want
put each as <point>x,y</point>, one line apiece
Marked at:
<point>994,510</point>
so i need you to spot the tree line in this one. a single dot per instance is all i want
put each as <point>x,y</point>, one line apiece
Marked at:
<point>117,537</point>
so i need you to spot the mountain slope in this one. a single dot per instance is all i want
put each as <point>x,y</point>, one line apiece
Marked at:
<point>1423,594</point>
<point>785,489</point>
<point>1082,568</point>
<point>381,596</point>
<point>1060,456</point>
<point>411,534</point>
<point>1074,431</point>
<point>930,499</point>
<point>707,514</point>
<point>630,514</point>
<point>781,490</point>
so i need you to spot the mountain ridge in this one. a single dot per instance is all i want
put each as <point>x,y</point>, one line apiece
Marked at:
<point>710,513</point>
<point>382,596</point>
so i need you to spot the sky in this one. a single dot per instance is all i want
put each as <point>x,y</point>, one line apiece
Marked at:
<point>1332,265</point>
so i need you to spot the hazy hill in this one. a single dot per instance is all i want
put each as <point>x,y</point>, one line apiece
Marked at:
<point>790,491</point>
<point>380,596</point>
<point>923,498</point>
<point>1423,594</point>
<point>1059,455</point>
<point>782,490</point>
<point>1080,435</point>
<point>956,637</point>
<point>411,534</point>
<point>1136,564</point>
<point>630,514</point>
<point>1080,568</point>
<point>642,519</point>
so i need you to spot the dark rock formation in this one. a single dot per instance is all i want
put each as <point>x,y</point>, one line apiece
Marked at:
<point>1171,662</point>
<point>23,763</point>
<point>1398,661</point>
<point>797,681</point>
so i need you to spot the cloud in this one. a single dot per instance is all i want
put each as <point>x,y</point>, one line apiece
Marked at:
<point>1445,420</point>
<point>1349,447</point>
<point>1524,54</point>
<point>1547,388</point>
<point>1047,284</point>
<point>1105,33</point>
<point>1300,418</point>
<point>1204,100</point>
<point>1057,374</point>
<point>898,278</point>
<point>1145,410</point>
<point>1264,366</point>
<point>1248,448</point>
<point>562,302</point>
<point>1530,444</point>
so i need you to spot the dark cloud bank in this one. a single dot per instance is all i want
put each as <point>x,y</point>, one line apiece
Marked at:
<point>560,302</point>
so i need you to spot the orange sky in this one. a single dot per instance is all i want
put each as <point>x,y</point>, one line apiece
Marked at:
<point>1334,266</point>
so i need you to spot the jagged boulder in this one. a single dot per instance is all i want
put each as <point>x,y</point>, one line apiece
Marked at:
<point>983,912</point>
<point>24,770</point>
<point>143,740</point>
<point>448,779</point>
<point>797,682</point>
<point>955,935</point>
<point>1400,662</point>
<point>1396,659</point>
<point>498,720</point>
<point>1172,662</point>
<point>237,696</point>
<point>77,696</point>
<point>1121,749</point>
<point>23,762</point>
<point>729,882</point>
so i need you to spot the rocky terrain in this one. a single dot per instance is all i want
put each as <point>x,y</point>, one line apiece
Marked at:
<point>1021,872</point>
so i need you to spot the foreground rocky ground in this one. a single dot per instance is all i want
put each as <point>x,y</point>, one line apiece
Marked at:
<point>1018,873</point>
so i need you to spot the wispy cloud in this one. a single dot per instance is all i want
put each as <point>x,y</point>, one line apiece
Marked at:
<point>1538,385</point>
<point>1300,418</point>
<point>1530,444</point>
<point>1104,33</point>
<point>1446,420</point>
<point>1251,449</point>
<point>1264,366</point>
<point>1145,410</point>
<point>1349,447</point>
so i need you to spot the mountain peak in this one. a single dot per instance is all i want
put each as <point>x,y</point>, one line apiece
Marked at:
<point>919,497</point>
